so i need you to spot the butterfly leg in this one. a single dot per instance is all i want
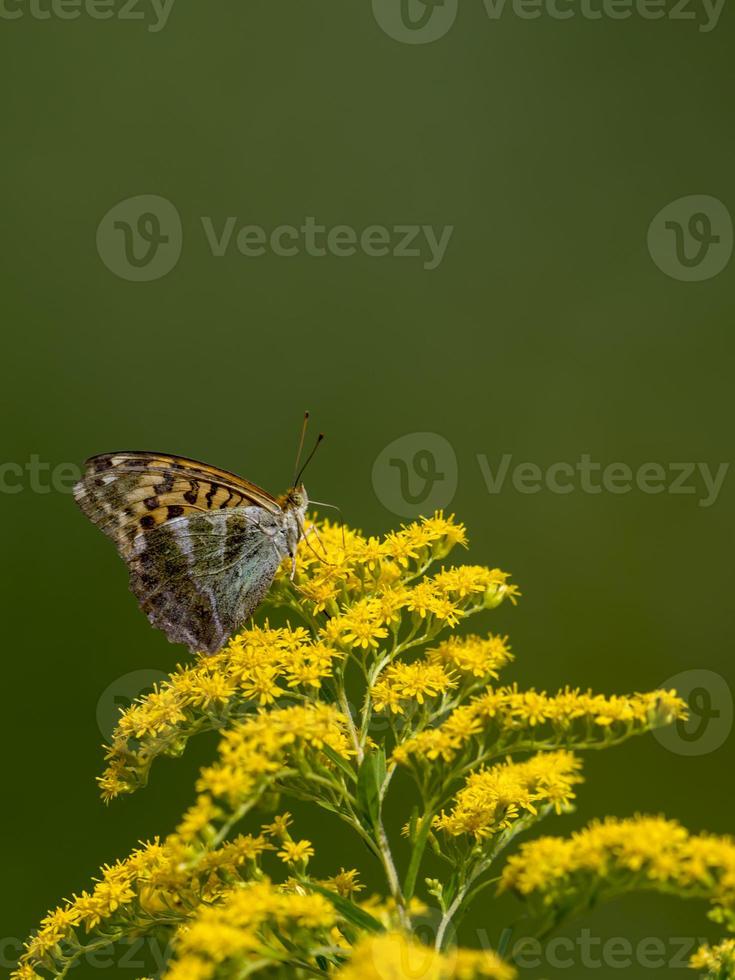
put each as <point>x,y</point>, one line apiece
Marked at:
<point>315,531</point>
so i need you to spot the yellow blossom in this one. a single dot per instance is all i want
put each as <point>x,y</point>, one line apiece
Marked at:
<point>296,852</point>
<point>362,625</point>
<point>279,826</point>
<point>718,961</point>
<point>345,883</point>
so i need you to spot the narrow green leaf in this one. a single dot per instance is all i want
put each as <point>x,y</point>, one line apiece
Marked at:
<point>357,916</point>
<point>369,780</point>
<point>412,824</point>
<point>420,835</point>
<point>341,763</point>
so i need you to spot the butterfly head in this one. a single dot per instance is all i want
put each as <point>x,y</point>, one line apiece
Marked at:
<point>295,499</point>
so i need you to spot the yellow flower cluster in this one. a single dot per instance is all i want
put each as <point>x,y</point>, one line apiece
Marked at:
<point>493,799</point>
<point>403,683</point>
<point>342,564</point>
<point>254,751</point>
<point>395,956</point>
<point>245,930</point>
<point>257,666</point>
<point>476,656</point>
<point>147,880</point>
<point>203,890</point>
<point>354,593</point>
<point>433,603</point>
<point>614,856</point>
<point>501,718</point>
<point>458,662</point>
<point>295,709</point>
<point>364,584</point>
<point>718,961</point>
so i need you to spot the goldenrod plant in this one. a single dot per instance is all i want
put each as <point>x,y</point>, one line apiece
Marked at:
<point>366,700</point>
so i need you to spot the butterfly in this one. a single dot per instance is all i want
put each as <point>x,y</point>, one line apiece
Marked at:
<point>202,545</point>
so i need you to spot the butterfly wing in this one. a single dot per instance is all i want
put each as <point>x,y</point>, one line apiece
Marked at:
<point>198,578</point>
<point>202,545</point>
<point>128,492</point>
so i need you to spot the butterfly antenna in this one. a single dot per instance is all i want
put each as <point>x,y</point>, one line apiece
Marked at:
<point>320,503</point>
<point>309,458</point>
<point>304,424</point>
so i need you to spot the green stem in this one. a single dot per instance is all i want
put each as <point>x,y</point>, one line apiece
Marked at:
<point>483,865</point>
<point>422,837</point>
<point>391,873</point>
<point>344,705</point>
<point>236,817</point>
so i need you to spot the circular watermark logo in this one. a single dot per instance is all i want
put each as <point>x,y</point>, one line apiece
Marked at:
<point>416,474</point>
<point>691,238</point>
<point>428,926</point>
<point>121,693</point>
<point>415,957</point>
<point>140,238</point>
<point>415,21</point>
<point>710,713</point>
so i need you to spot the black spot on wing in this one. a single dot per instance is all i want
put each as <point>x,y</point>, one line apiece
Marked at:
<point>167,484</point>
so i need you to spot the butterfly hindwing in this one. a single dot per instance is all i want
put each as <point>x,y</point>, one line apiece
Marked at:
<point>202,545</point>
<point>198,578</point>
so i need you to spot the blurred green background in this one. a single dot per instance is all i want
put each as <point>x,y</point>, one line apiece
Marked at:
<point>546,332</point>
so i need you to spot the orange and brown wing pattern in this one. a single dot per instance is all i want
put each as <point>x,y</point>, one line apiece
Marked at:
<point>127,493</point>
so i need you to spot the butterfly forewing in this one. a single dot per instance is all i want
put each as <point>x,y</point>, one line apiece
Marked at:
<point>202,544</point>
<point>127,492</point>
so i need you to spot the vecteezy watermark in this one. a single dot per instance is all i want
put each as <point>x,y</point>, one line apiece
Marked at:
<point>585,475</point>
<point>140,239</point>
<point>424,21</point>
<point>311,238</point>
<point>590,952</point>
<point>121,693</point>
<point>38,476</point>
<point>705,13</point>
<point>153,13</point>
<point>710,702</point>
<point>416,474</point>
<point>691,239</point>
<point>129,954</point>
<point>415,21</point>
